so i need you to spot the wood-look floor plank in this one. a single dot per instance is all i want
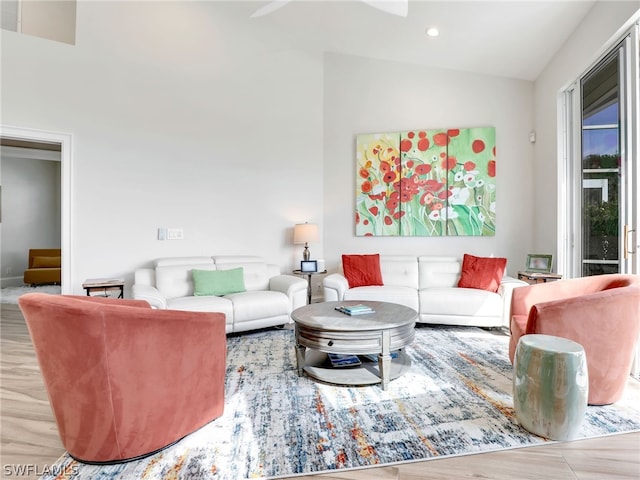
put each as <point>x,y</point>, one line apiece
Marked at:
<point>29,434</point>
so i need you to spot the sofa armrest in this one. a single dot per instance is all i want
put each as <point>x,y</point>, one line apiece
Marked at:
<point>150,294</point>
<point>335,285</point>
<point>505,290</point>
<point>293,287</point>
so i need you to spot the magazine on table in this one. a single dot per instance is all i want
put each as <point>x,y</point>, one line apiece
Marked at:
<point>342,360</point>
<point>359,309</point>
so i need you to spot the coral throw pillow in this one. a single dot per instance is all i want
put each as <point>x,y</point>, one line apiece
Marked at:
<point>362,270</point>
<point>483,273</point>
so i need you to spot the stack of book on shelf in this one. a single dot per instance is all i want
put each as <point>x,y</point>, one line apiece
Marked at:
<point>359,309</point>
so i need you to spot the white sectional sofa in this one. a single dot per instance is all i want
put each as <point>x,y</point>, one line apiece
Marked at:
<point>269,299</point>
<point>428,284</point>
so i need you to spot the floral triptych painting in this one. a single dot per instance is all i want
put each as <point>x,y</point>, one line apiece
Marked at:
<point>426,183</point>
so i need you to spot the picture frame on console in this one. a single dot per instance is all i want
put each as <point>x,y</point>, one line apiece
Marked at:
<point>309,266</point>
<point>539,263</point>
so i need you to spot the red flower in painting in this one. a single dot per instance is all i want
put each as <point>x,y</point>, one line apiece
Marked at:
<point>440,139</point>
<point>423,169</point>
<point>385,167</point>
<point>423,144</point>
<point>444,194</point>
<point>433,185</point>
<point>389,177</point>
<point>422,134</point>
<point>364,173</point>
<point>468,166</point>
<point>374,210</point>
<point>366,186</point>
<point>357,218</point>
<point>393,201</point>
<point>426,199</point>
<point>454,132</point>
<point>411,134</point>
<point>491,168</point>
<point>477,146</point>
<point>397,215</point>
<point>405,145</point>
<point>388,220</point>
<point>449,163</point>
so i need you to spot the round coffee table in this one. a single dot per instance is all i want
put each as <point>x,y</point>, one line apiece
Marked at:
<point>322,329</point>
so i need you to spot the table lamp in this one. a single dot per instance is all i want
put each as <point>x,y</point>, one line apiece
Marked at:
<point>305,233</point>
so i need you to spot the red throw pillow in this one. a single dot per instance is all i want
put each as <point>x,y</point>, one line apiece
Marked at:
<point>483,273</point>
<point>362,270</point>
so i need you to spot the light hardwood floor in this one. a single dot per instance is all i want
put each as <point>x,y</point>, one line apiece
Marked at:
<point>29,435</point>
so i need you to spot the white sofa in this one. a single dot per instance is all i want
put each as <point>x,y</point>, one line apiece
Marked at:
<point>268,300</point>
<point>428,284</point>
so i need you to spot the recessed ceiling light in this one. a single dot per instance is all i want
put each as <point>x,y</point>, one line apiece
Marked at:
<point>432,32</point>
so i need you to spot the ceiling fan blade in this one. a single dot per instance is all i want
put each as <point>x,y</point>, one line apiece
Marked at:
<point>395,7</point>
<point>270,7</point>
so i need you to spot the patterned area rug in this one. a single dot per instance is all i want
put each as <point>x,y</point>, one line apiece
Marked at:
<point>455,400</point>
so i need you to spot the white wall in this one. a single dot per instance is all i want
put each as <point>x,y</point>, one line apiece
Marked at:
<point>577,55</point>
<point>366,96</point>
<point>188,114</point>
<point>182,115</point>
<point>30,212</point>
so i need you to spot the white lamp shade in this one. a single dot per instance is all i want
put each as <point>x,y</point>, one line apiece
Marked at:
<point>305,233</point>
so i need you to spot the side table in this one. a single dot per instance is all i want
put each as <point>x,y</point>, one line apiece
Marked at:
<point>550,385</point>
<point>104,285</point>
<point>535,277</point>
<point>309,275</point>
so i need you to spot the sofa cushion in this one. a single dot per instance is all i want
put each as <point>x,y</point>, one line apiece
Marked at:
<point>253,305</point>
<point>483,273</point>
<point>460,301</point>
<point>46,262</point>
<point>362,270</point>
<point>437,271</point>
<point>256,271</point>
<point>388,293</point>
<point>399,270</point>
<point>177,280</point>
<point>207,303</point>
<point>218,282</point>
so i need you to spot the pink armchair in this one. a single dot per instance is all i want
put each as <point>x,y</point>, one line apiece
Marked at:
<point>124,380</point>
<point>602,313</point>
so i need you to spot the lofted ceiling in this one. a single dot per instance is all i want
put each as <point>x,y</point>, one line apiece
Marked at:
<point>508,38</point>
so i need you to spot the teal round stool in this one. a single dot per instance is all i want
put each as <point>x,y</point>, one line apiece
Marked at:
<point>550,386</point>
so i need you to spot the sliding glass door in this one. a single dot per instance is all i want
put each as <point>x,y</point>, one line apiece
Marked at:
<point>599,227</point>
<point>602,168</point>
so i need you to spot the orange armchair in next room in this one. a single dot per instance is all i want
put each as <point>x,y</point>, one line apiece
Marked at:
<point>125,380</point>
<point>601,313</point>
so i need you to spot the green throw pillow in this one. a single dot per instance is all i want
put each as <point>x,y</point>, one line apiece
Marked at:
<point>218,282</point>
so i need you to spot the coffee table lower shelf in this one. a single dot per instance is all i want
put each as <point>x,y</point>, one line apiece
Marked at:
<point>318,366</point>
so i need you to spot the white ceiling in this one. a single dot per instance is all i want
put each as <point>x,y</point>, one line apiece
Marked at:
<point>508,38</point>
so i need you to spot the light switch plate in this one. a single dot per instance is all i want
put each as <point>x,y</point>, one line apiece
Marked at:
<point>162,233</point>
<point>175,234</point>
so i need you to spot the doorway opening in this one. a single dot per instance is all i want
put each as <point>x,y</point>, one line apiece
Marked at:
<point>19,138</point>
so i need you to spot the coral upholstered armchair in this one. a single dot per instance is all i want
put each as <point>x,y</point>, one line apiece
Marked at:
<point>601,313</point>
<point>125,380</point>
